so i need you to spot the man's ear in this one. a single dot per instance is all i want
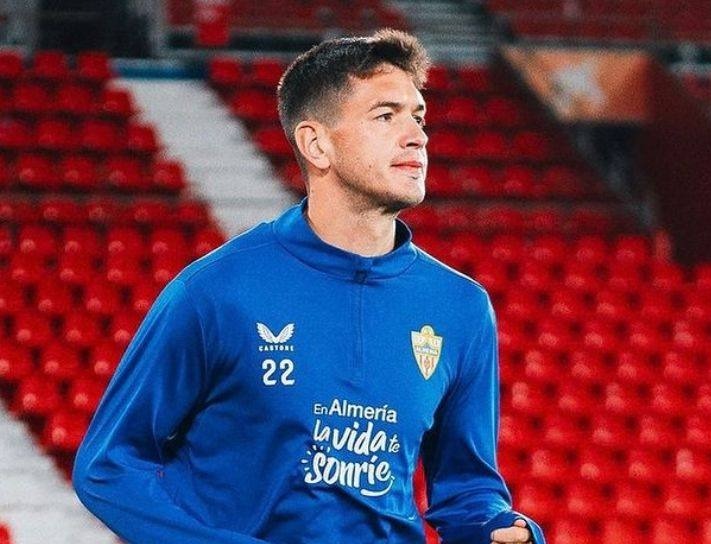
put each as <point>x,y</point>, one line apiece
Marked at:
<point>312,141</point>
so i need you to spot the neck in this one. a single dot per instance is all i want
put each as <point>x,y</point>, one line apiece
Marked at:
<point>347,226</point>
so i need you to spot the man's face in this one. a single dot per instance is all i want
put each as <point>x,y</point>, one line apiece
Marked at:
<point>378,144</point>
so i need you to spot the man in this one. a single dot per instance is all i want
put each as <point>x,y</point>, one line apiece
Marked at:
<point>283,387</point>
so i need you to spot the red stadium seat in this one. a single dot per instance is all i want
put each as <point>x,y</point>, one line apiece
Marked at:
<point>78,172</point>
<point>101,297</point>
<point>611,430</point>
<point>16,362</point>
<point>64,431</point>
<point>11,65</point>
<point>637,500</point>
<point>36,396</point>
<point>50,65</point>
<point>657,432</point>
<point>116,102</point>
<point>55,135</point>
<point>646,466</point>
<point>30,98</point>
<point>84,394</point>
<point>618,530</point>
<point>142,138</point>
<point>600,466</point>
<point>52,297</point>
<point>75,268</point>
<point>104,357</point>
<point>36,171</point>
<point>94,67</point>
<point>693,465</point>
<point>225,73</point>
<point>168,175</point>
<point>59,361</point>
<point>587,499</point>
<point>542,502</point>
<point>123,327</point>
<point>99,136</point>
<point>75,99</point>
<point>126,174</point>
<point>81,329</point>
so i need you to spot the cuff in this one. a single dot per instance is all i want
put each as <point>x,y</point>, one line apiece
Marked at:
<point>480,533</point>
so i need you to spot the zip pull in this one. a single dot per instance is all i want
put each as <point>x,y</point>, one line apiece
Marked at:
<point>360,276</point>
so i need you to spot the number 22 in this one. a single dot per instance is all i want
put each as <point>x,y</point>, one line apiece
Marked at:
<point>270,367</point>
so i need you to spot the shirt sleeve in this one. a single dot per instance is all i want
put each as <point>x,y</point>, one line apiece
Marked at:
<point>156,387</point>
<point>467,495</point>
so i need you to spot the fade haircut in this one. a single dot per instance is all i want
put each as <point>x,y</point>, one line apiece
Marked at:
<point>313,85</point>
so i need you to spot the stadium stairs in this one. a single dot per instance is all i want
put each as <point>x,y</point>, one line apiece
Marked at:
<point>228,170</point>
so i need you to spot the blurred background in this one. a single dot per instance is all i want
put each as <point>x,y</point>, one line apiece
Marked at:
<point>570,173</point>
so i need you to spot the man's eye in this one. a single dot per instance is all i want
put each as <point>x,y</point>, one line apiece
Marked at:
<point>420,121</point>
<point>385,116</point>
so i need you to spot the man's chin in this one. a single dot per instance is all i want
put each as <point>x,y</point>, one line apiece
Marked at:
<point>396,205</point>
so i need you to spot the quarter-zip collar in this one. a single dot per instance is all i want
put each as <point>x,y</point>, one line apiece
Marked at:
<point>293,231</point>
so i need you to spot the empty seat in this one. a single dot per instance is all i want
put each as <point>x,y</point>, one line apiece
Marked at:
<point>78,172</point>
<point>587,499</point>
<point>84,394</point>
<point>52,297</point>
<point>104,357</point>
<point>102,297</point>
<point>93,67</point>
<point>81,329</point>
<point>75,99</point>
<point>36,396</point>
<point>116,102</point>
<point>16,362</point>
<point>59,361</point>
<point>64,430</point>
<point>50,65</point>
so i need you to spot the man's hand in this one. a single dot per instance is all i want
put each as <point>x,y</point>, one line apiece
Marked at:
<point>518,533</point>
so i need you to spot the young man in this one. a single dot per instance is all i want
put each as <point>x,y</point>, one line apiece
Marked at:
<point>283,387</point>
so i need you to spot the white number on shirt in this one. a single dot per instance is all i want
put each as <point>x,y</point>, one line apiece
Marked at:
<point>270,367</point>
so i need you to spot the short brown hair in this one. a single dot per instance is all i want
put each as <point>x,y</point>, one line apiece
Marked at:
<point>313,83</point>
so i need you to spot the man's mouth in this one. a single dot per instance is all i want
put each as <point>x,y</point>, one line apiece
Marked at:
<point>409,165</point>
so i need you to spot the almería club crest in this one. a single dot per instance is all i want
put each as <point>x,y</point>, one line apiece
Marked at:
<point>426,346</point>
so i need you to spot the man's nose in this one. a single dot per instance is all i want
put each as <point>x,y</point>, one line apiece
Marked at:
<point>415,136</point>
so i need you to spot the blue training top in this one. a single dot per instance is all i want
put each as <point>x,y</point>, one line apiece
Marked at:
<point>281,390</point>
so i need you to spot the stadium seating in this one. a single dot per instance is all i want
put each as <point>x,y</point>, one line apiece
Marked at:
<point>212,25</point>
<point>94,223</point>
<point>607,20</point>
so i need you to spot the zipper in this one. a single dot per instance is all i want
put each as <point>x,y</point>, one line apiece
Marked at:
<point>360,277</point>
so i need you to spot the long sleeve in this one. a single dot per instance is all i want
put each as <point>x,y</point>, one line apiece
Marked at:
<point>468,497</point>
<point>156,388</point>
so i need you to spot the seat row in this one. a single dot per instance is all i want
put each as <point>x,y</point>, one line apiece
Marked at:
<point>105,210</point>
<point>609,20</point>
<point>123,268</point>
<point>90,173</point>
<point>433,221</point>
<point>72,99</point>
<point>91,135</point>
<point>318,15</point>
<point>50,66</point>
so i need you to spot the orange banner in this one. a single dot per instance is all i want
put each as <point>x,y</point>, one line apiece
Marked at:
<point>591,85</point>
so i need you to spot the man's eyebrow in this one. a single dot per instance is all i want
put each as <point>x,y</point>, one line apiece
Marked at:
<point>397,106</point>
